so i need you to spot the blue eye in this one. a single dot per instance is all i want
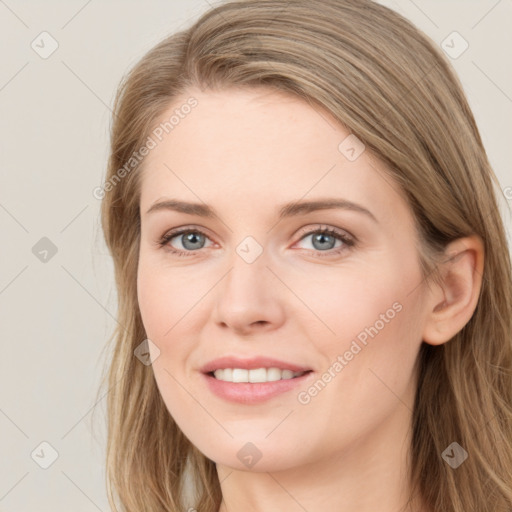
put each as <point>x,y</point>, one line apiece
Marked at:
<point>189,238</point>
<point>324,240</point>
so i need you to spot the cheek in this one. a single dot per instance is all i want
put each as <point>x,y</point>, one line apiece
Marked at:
<point>359,304</point>
<point>375,316</point>
<point>166,298</point>
<point>163,309</point>
<point>152,302</point>
<point>368,366</point>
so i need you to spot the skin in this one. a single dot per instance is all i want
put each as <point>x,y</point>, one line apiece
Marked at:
<point>245,153</point>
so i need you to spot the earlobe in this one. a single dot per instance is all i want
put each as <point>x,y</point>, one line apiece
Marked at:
<point>451,303</point>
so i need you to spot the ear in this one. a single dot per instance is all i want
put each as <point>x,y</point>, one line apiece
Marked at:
<point>452,303</point>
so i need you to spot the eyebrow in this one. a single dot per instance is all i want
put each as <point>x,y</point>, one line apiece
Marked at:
<point>288,210</point>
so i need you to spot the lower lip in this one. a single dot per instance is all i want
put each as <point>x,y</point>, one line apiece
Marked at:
<point>253,393</point>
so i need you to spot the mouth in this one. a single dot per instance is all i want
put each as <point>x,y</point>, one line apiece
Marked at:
<point>254,380</point>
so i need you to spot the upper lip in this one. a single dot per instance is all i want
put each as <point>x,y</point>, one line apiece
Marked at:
<point>251,363</point>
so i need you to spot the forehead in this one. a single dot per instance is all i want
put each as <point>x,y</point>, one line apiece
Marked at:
<point>259,147</point>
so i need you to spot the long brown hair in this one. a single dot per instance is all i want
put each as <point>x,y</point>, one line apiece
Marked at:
<point>388,84</point>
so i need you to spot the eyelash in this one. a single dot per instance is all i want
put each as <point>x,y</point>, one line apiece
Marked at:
<point>348,241</point>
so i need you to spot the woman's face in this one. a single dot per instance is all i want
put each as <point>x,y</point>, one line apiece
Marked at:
<point>256,280</point>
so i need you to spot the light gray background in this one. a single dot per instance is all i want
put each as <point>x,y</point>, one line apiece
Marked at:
<point>57,315</point>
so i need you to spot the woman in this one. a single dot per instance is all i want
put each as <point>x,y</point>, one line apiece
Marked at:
<point>313,276</point>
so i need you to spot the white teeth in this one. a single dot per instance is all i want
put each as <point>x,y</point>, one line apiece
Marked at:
<point>255,375</point>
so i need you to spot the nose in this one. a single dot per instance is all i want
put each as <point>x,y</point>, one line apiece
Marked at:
<point>249,298</point>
